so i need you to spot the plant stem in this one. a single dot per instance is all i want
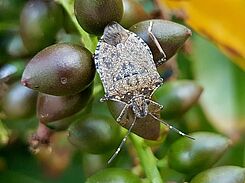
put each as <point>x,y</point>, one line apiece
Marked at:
<point>4,134</point>
<point>147,159</point>
<point>244,156</point>
<point>97,89</point>
<point>89,41</point>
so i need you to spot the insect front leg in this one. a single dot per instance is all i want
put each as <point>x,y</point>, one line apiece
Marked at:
<point>154,103</point>
<point>154,39</point>
<point>125,108</point>
<point>158,84</point>
<point>105,98</point>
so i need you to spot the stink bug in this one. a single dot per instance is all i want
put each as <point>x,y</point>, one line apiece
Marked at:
<point>128,74</point>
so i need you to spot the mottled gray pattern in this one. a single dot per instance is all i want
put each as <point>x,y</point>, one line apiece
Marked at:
<point>126,69</point>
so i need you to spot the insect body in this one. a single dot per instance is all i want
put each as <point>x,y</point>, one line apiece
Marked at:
<point>128,72</point>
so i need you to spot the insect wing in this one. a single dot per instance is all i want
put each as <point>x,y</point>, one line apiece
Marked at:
<point>126,67</point>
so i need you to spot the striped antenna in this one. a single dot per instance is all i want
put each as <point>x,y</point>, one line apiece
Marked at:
<point>123,142</point>
<point>171,127</point>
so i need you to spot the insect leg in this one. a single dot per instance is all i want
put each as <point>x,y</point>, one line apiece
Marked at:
<point>103,99</point>
<point>154,103</point>
<point>157,86</point>
<point>154,39</point>
<point>122,112</point>
<point>123,141</point>
<point>171,127</point>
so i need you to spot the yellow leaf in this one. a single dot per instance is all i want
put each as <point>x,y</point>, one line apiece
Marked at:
<point>222,21</point>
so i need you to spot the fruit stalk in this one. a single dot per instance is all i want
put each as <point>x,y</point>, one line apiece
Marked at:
<point>147,159</point>
<point>89,41</point>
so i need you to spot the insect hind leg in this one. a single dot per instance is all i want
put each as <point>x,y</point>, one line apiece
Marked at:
<point>154,39</point>
<point>125,108</point>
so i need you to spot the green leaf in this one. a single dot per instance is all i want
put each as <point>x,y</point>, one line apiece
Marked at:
<point>223,99</point>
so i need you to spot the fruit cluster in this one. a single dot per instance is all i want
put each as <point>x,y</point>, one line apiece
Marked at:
<point>50,49</point>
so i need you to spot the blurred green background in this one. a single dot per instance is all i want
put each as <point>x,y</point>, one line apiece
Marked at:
<point>204,61</point>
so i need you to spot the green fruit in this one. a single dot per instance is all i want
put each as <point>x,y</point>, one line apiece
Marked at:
<point>114,175</point>
<point>62,124</point>
<point>192,156</point>
<point>170,175</point>
<point>223,174</point>
<point>170,35</point>
<point>19,102</point>
<point>16,48</point>
<point>94,15</point>
<point>39,22</point>
<point>146,127</point>
<point>95,134</point>
<point>51,108</point>
<point>133,13</point>
<point>177,97</point>
<point>60,69</point>
<point>7,71</point>
<point>92,163</point>
<point>12,71</point>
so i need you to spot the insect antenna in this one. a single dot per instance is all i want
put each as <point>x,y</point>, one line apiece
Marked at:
<point>123,142</point>
<point>171,127</point>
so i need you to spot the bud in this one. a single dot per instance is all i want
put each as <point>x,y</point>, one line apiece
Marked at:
<point>170,35</point>
<point>39,23</point>
<point>60,69</point>
<point>51,108</point>
<point>192,156</point>
<point>177,97</point>
<point>223,174</point>
<point>114,175</point>
<point>94,134</point>
<point>133,13</point>
<point>19,102</point>
<point>94,15</point>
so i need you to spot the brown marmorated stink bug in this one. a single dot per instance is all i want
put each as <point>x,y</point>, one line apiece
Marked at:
<point>128,73</point>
